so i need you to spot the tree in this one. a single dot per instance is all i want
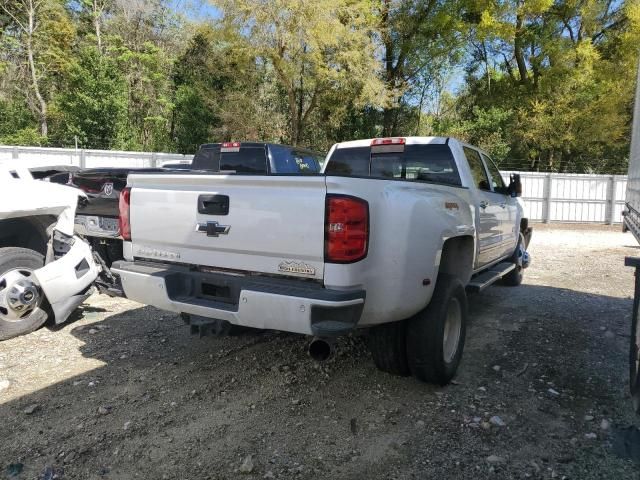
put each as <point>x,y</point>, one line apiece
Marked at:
<point>316,49</point>
<point>44,33</point>
<point>144,39</point>
<point>93,101</point>
<point>553,79</point>
<point>419,38</point>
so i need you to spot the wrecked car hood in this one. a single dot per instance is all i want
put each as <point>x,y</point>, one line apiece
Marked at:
<point>24,196</point>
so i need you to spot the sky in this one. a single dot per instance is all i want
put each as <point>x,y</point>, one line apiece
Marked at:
<point>196,9</point>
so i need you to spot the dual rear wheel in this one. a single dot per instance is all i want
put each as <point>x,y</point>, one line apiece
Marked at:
<point>428,345</point>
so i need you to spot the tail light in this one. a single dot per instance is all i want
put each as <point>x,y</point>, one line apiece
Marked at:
<point>230,147</point>
<point>346,229</point>
<point>124,221</point>
<point>388,141</point>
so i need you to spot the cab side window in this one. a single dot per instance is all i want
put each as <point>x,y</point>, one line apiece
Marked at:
<point>497,182</point>
<point>480,177</point>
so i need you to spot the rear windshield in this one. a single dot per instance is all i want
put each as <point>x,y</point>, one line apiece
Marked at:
<point>426,163</point>
<point>253,160</point>
<point>247,160</point>
<point>290,160</point>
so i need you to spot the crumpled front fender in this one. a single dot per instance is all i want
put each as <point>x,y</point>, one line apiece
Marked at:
<point>66,282</point>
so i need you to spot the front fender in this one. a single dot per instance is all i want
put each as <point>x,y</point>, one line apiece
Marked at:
<point>66,281</point>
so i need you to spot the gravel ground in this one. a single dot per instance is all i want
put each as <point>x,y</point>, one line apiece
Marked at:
<point>124,391</point>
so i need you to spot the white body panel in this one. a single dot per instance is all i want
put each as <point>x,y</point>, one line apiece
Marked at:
<point>267,228</point>
<point>275,219</point>
<point>632,211</point>
<point>408,227</point>
<point>24,197</point>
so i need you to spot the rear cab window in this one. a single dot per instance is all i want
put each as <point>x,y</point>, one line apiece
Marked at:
<point>295,161</point>
<point>431,163</point>
<point>256,159</point>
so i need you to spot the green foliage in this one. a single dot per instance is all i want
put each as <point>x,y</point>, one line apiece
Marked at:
<point>547,85</point>
<point>320,51</point>
<point>29,136</point>
<point>92,106</point>
<point>14,117</point>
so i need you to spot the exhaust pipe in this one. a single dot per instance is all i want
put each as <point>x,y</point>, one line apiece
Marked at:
<point>321,349</point>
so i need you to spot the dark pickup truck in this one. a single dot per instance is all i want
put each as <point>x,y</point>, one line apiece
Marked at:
<point>97,219</point>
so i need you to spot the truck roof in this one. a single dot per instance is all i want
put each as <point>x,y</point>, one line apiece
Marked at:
<point>408,141</point>
<point>254,144</point>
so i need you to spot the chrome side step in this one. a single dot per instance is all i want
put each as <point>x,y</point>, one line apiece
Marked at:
<point>488,277</point>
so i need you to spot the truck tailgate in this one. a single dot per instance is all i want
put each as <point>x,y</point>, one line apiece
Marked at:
<point>266,224</point>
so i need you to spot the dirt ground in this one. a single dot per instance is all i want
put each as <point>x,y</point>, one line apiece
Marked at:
<point>125,391</point>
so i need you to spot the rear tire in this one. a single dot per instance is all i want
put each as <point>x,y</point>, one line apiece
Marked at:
<point>387,344</point>
<point>436,335</point>
<point>20,261</point>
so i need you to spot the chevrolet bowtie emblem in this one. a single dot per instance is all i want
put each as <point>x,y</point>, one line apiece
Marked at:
<point>212,229</point>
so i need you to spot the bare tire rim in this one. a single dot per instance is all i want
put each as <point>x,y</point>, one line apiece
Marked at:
<point>452,329</point>
<point>20,295</point>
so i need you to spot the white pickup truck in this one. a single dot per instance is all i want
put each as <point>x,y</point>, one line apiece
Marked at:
<point>386,238</point>
<point>45,271</point>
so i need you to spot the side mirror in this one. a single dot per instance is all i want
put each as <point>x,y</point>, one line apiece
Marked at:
<point>515,185</point>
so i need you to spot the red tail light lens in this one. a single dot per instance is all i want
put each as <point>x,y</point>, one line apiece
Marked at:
<point>124,220</point>
<point>346,229</point>
<point>388,141</point>
<point>230,147</point>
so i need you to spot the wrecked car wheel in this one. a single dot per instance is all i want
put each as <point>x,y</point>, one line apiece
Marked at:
<point>23,307</point>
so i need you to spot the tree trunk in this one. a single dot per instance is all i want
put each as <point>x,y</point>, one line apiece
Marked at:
<point>42,104</point>
<point>293,111</point>
<point>97,12</point>
<point>518,50</point>
<point>389,71</point>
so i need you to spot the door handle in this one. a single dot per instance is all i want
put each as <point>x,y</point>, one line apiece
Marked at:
<point>484,204</point>
<point>213,204</point>
<point>503,205</point>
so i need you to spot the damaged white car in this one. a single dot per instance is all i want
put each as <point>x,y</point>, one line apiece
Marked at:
<point>45,271</point>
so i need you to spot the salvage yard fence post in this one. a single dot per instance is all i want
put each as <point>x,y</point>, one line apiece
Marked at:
<point>547,197</point>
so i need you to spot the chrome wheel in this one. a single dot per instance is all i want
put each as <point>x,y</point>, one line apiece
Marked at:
<point>20,295</point>
<point>452,328</point>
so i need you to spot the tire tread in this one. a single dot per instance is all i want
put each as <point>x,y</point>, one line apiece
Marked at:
<point>387,344</point>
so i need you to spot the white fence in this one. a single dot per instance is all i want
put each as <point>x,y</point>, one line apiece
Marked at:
<point>563,197</point>
<point>547,197</point>
<point>31,157</point>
